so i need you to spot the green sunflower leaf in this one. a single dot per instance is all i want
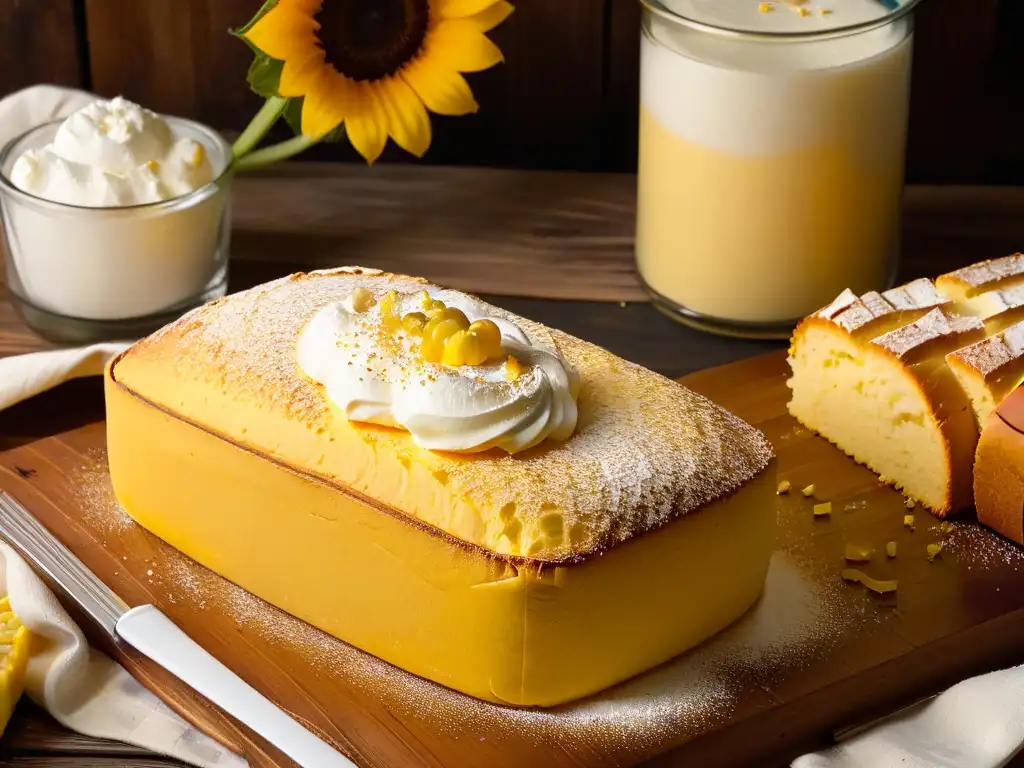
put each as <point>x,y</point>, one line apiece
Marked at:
<point>265,75</point>
<point>293,116</point>
<point>263,11</point>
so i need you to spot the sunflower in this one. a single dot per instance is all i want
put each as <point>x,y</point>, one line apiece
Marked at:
<point>377,66</point>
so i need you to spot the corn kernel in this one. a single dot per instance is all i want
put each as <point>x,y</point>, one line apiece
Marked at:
<point>389,319</point>
<point>908,521</point>
<point>784,487</point>
<point>463,348</point>
<point>361,300</point>
<point>513,368</point>
<point>766,7</point>
<point>910,504</point>
<point>823,509</point>
<point>890,549</point>
<point>198,154</point>
<point>153,165</point>
<point>436,333</point>
<point>489,333</point>
<point>933,551</point>
<point>809,490</point>
<point>413,323</point>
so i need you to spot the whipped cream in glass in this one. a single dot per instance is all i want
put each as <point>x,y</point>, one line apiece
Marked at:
<point>112,154</point>
<point>115,220</point>
<point>377,376</point>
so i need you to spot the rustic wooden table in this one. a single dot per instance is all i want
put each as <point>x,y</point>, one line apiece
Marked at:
<point>556,247</point>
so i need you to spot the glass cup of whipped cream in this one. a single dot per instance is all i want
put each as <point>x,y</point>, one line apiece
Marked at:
<point>116,221</point>
<point>772,143</point>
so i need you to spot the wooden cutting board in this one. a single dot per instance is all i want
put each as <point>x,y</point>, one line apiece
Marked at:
<point>816,655</point>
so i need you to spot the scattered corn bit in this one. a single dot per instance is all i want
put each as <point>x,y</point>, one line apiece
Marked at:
<point>946,527</point>
<point>820,510</point>
<point>890,549</point>
<point>766,7</point>
<point>808,491</point>
<point>857,554</point>
<point>14,642</point>
<point>877,586</point>
<point>910,504</point>
<point>824,11</point>
<point>784,487</point>
<point>908,522</point>
<point>513,368</point>
<point>933,551</point>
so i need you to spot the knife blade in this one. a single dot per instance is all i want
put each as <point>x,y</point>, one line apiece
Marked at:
<point>154,635</point>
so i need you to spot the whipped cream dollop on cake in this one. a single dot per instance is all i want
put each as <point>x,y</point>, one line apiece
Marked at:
<point>439,366</point>
<point>113,154</point>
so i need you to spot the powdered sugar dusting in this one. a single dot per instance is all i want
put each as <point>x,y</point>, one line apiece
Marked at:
<point>985,272</point>
<point>990,356</point>
<point>977,546</point>
<point>645,450</point>
<point>938,326</point>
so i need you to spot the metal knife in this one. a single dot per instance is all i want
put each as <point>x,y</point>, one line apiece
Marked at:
<point>151,633</point>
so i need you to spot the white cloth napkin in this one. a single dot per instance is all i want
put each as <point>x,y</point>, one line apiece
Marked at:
<point>85,690</point>
<point>978,723</point>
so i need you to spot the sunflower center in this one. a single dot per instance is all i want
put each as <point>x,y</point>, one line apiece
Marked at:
<point>371,39</point>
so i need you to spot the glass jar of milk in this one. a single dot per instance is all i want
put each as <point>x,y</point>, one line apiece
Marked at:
<point>772,142</point>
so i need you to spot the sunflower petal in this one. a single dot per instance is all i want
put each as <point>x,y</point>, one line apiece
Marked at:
<point>487,20</point>
<point>442,89</point>
<point>283,33</point>
<point>408,121</point>
<point>460,45</point>
<point>298,75</point>
<point>327,104</point>
<point>456,9</point>
<point>367,124</point>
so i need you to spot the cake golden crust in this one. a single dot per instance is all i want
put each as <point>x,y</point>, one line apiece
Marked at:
<point>983,275</point>
<point>646,450</point>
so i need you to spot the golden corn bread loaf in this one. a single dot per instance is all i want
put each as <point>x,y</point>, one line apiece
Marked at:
<point>904,381</point>
<point>528,575</point>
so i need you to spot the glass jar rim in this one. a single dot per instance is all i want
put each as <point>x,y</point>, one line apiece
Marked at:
<point>172,202</point>
<point>658,8</point>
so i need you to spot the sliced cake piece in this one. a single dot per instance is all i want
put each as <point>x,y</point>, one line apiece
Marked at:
<point>889,399</point>
<point>990,370</point>
<point>999,469</point>
<point>992,290</point>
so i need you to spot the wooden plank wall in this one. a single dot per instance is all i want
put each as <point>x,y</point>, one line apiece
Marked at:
<point>566,97</point>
